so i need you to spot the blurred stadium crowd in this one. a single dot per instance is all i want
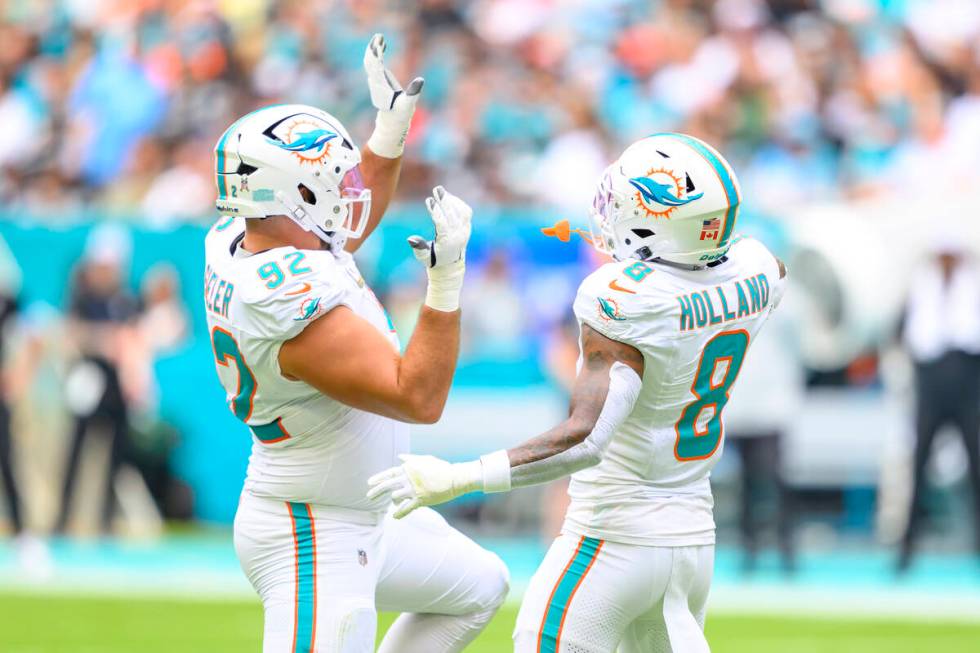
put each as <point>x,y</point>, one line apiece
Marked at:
<point>114,106</point>
<point>110,109</point>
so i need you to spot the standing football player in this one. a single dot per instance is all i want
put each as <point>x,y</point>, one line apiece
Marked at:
<point>664,331</point>
<point>311,364</point>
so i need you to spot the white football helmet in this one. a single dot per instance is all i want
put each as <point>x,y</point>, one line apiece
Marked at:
<point>293,160</point>
<point>670,197</point>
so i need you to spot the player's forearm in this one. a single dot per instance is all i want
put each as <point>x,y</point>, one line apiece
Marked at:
<point>427,480</point>
<point>600,408</point>
<point>589,396</point>
<point>560,452</point>
<point>381,176</point>
<point>553,441</point>
<point>426,370</point>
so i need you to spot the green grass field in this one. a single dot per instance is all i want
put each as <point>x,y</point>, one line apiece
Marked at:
<point>59,624</point>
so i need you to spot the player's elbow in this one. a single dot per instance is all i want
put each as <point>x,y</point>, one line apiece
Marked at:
<point>579,428</point>
<point>592,454</point>
<point>429,414</point>
<point>421,409</point>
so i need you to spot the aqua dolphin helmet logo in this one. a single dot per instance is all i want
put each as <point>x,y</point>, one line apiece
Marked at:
<point>661,188</point>
<point>306,138</point>
<point>314,139</point>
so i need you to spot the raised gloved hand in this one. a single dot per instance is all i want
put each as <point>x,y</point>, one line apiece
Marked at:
<point>395,105</point>
<point>445,255</point>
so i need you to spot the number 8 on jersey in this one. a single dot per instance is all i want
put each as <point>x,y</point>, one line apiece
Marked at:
<point>721,359</point>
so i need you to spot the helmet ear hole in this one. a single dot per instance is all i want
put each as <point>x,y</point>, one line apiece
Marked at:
<point>308,196</point>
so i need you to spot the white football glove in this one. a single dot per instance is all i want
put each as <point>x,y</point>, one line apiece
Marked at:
<point>445,255</point>
<point>424,481</point>
<point>429,481</point>
<point>395,106</point>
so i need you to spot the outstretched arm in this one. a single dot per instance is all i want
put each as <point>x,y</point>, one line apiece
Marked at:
<point>381,158</point>
<point>589,396</point>
<point>604,395</point>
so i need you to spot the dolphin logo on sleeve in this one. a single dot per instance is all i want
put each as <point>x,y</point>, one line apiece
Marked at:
<point>609,309</point>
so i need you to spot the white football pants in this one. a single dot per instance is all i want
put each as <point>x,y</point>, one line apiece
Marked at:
<point>322,579</point>
<point>592,596</point>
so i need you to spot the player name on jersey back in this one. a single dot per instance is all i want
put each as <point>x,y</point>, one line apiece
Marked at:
<point>725,303</point>
<point>217,293</point>
<point>694,328</point>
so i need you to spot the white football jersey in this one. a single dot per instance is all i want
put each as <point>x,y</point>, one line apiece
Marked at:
<point>693,328</point>
<point>306,447</point>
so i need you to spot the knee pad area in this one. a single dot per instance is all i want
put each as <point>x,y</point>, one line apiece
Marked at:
<point>349,628</point>
<point>495,583</point>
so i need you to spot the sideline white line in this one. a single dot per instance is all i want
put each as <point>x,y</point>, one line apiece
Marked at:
<point>846,602</point>
<point>755,599</point>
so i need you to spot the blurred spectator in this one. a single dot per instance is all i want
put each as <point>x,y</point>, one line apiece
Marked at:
<point>101,325</point>
<point>942,335</point>
<point>32,551</point>
<point>183,191</point>
<point>756,427</point>
<point>163,322</point>
<point>493,323</point>
<point>9,282</point>
<point>162,328</point>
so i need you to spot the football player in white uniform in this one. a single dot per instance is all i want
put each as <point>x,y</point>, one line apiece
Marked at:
<point>664,331</point>
<point>310,363</point>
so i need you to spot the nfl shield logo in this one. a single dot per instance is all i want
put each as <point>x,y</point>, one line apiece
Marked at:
<point>362,557</point>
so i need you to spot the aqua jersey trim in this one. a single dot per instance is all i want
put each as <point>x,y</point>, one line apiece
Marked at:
<point>219,151</point>
<point>731,194</point>
<point>271,433</point>
<point>561,596</point>
<point>304,540</point>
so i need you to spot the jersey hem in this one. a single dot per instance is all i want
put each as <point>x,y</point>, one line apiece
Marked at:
<point>365,517</point>
<point>638,540</point>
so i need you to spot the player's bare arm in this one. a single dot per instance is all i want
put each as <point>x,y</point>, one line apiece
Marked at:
<point>599,353</point>
<point>381,160</point>
<point>345,358</point>
<point>341,355</point>
<point>605,392</point>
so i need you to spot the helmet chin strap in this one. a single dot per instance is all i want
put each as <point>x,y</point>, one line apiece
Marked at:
<point>645,254</point>
<point>302,218</point>
<point>682,266</point>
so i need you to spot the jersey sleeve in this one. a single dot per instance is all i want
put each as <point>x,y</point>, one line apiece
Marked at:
<point>770,264</point>
<point>610,302</point>
<point>282,300</point>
